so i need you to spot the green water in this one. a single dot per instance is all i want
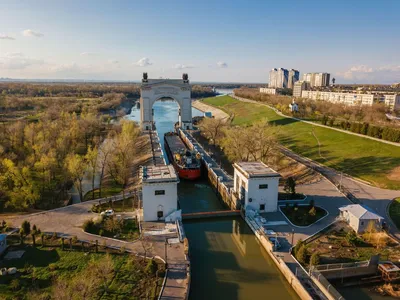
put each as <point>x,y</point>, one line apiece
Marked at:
<point>227,261</point>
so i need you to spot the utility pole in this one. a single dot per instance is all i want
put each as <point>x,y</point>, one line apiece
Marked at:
<point>292,236</point>
<point>166,258</point>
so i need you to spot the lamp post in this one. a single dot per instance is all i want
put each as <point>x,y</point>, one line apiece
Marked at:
<point>166,258</point>
<point>292,236</point>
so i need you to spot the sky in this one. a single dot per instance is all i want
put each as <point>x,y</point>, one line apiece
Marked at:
<point>357,41</point>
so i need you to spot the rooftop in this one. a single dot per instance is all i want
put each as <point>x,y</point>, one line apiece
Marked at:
<point>255,169</point>
<point>161,173</point>
<point>360,212</point>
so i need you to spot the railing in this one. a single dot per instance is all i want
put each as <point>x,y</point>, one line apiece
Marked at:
<point>341,266</point>
<point>326,284</point>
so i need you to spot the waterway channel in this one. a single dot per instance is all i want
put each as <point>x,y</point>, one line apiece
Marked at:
<point>227,261</point>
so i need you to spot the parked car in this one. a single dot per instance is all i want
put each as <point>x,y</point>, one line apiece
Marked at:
<point>275,241</point>
<point>107,213</point>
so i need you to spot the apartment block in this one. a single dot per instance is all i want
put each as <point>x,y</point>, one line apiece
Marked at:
<point>271,91</point>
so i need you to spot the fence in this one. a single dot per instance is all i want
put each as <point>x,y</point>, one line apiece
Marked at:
<point>341,266</point>
<point>325,285</point>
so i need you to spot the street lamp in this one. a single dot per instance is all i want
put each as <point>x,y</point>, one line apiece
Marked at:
<point>165,248</point>
<point>292,236</point>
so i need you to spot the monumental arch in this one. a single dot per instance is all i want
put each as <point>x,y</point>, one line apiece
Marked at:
<point>153,90</point>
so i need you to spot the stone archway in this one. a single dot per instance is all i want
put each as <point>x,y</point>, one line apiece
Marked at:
<point>152,90</point>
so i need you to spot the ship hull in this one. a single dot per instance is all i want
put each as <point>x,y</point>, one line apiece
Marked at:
<point>171,146</point>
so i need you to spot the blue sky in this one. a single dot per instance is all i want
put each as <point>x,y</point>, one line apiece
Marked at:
<point>356,41</point>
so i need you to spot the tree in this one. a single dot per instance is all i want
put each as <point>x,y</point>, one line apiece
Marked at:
<point>113,225</point>
<point>91,159</point>
<point>76,167</point>
<point>146,244</point>
<point>18,184</point>
<point>104,154</point>
<point>25,228</point>
<point>315,259</point>
<point>296,248</point>
<point>290,186</point>
<point>371,228</point>
<point>301,254</point>
<point>212,128</point>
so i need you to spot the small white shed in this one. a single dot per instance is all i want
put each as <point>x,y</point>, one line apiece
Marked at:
<point>359,217</point>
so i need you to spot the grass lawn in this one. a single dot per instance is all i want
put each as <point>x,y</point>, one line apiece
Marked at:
<point>108,189</point>
<point>40,268</point>
<point>301,216</point>
<point>394,212</point>
<point>125,229</point>
<point>360,157</point>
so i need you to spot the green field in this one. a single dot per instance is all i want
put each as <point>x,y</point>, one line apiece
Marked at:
<point>39,268</point>
<point>366,159</point>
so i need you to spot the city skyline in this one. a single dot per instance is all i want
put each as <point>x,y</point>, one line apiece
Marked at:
<point>213,42</point>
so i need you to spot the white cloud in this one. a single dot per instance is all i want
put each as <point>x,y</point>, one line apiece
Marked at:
<point>222,64</point>
<point>143,62</point>
<point>181,66</point>
<point>17,61</point>
<point>366,74</point>
<point>32,33</point>
<point>6,37</point>
<point>88,54</point>
<point>113,61</point>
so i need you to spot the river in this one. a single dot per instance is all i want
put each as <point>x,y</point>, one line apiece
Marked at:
<point>227,261</point>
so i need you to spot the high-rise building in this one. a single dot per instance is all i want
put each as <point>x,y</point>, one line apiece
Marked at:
<point>294,76</point>
<point>317,79</point>
<point>299,87</point>
<point>278,78</point>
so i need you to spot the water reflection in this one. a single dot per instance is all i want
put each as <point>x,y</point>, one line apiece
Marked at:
<point>228,263</point>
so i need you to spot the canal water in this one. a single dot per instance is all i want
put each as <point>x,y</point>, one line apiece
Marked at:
<point>227,260</point>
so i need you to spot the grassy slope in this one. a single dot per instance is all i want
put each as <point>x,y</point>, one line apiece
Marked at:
<point>360,157</point>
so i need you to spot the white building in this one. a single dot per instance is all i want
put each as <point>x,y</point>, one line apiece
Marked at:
<point>338,97</point>
<point>294,107</point>
<point>298,87</point>
<point>257,186</point>
<point>293,77</point>
<point>270,91</point>
<point>359,217</point>
<point>317,79</point>
<point>278,78</point>
<point>159,192</point>
<point>392,101</point>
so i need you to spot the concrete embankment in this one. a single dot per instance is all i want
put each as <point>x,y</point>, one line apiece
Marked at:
<point>219,179</point>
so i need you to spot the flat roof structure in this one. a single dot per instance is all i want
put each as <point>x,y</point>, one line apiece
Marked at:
<point>160,173</point>
<point>255,169</point>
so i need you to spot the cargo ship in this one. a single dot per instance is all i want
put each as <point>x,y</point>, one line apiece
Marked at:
<point>185,161</point>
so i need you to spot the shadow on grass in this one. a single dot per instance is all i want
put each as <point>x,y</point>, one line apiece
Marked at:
<point>33,256</point>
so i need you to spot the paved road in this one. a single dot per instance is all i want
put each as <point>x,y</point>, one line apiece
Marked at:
<point>373,197</point>
<point>68,221</point>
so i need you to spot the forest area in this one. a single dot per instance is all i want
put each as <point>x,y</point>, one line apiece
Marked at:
<point>51,136</point>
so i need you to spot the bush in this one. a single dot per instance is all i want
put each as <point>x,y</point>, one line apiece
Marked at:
<point>53,267</point>
<point>89,226</point>
<point>151,267</point>
<point>74,239</point>
<point>15,285</point>
<point>301,255</point>
<point>296,248</point>
<point>25,228</point>
<point>101,232</point>
<point>352,238</point>
<point>315,259</point>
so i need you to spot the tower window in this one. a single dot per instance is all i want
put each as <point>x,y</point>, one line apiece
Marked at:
<point>159,192</point>
<point>262,186</point>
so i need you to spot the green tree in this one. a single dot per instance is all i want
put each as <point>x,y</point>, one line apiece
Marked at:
<point>76,167</point>
<point>301,255</point>
<point>296,248</point>
<point>25,228</point>
<point>290,185</point>
<point>315,259</point>
<point>91,158</point>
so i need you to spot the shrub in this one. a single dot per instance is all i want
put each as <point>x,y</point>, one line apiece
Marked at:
<point>312,212</point>
<point>53,267</point>
<point>352,238</point>
<point>101,232</point>
<point>54,236</point>
<point>290,185</point>
<point>74,239</point>
<point>151,267</point>
<point>89,226</point>
<point>312,203</point>
<point>15,285</point>
<point>315,259</point>
<point>296,248</point>
<point>301,254</point>
<point>25,228</point>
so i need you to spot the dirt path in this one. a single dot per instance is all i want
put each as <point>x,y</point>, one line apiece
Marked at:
<point>217,113</point>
